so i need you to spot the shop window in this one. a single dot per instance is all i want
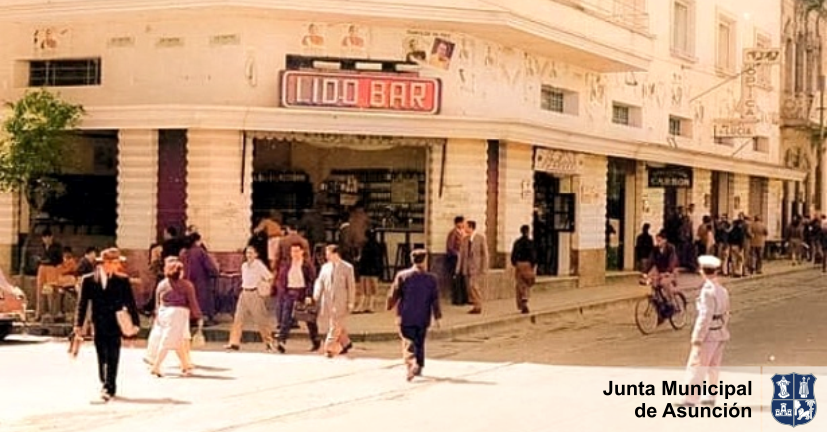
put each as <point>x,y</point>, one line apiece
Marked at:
<point>729,142</point>
<point>65,73</point>
<point>559,100</point>
<point>761,144</point>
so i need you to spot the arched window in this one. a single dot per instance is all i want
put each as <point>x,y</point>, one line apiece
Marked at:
<point>789,66</point>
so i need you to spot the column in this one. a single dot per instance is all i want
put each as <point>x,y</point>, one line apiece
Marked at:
<point>774,203</point>
<point>740,194</point>
<point>701,187</point>
<point>216,203</point>
<point>589,241</point>
<point>651,203</point>
<point>464,188</point>
<point>516,204</point>
<point>137,190</point>
<point>8,231</point>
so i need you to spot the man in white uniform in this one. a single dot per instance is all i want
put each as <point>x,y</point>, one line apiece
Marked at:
<point>711,332</point>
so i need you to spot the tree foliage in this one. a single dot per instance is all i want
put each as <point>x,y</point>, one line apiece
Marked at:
<point>32,144</point>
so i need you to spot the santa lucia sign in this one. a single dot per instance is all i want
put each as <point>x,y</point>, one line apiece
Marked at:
<point>744,127</point>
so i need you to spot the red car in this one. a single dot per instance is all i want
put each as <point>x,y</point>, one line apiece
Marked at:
<point>12,307</point>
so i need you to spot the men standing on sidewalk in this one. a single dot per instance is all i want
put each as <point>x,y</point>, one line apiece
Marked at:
<point>523,258</point>
<point>108,291</point>
<point>473,264</point>
<point>335,293</point>
<point>415,296</point>
<point>758,241</point>
<point>711,332</point>
<point>459,295</point>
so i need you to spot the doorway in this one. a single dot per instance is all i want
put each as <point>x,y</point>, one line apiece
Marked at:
<point>546,237</point>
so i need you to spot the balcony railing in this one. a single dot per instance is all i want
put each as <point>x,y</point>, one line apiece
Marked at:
<point>627,13</point>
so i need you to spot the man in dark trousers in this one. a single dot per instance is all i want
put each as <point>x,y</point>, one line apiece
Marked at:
<point>109,291</point>
<point>523,258</point>
<point>415,295</point>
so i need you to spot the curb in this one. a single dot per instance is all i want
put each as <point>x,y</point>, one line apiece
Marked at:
<point>577,312</point>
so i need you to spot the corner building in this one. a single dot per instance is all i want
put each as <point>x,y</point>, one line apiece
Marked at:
<point>570,116</point>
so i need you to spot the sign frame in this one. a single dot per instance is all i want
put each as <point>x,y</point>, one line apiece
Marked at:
<point>670,172</point>
<point>284,80</point>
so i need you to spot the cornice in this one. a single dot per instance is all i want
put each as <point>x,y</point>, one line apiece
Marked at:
<point>516,130</point>
<point>463,14</point>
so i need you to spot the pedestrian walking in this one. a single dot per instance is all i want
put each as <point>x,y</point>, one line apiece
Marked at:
<point>256,282</point>
<point>109,292</point>
<point>524,260</point>
<point>295,281</point>
<point>47,275</point>
<point>711,333</point>
<point>795,237</point>
<point>473,264</point>
<point>202,270</point>
<point>415,297</point>
<point>335,292</point>
<point>371,267</point>
<point>644,244</point>
<point>177,305</point>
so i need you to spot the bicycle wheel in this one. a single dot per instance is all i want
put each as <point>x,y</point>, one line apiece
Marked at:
<point>646,315</point>
<point>679,318</point>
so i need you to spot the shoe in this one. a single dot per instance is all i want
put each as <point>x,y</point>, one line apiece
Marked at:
<point>187,371</point>
<point>347,348</point>
<point>419,371</point>
<point>280,348</point>
<point>268,346</point>
<point>232,347</point>
<point>524,310</point>
<point>475,311</point>
<point>316,345</point>
<point>413,371</point>
<point>105,396</point>
<point>157,374</point>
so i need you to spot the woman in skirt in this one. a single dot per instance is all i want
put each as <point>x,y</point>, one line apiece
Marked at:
<point>176,305</point>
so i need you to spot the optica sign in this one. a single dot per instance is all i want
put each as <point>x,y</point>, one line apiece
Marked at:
<point>360,91</point>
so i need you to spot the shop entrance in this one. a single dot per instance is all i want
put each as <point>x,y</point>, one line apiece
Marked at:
<point>319,186</point>
<point>553,214</point>
<point>617,189</point>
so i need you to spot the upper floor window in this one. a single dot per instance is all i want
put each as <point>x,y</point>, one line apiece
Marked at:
<point>764,76</point>
<point>626,114</point>
<point>726,36</point>
<point>65,73</point>
<point>683,28</point>
<point>559,100</point>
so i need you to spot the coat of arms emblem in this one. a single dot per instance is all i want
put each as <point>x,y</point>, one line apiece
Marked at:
<point>793,401</point>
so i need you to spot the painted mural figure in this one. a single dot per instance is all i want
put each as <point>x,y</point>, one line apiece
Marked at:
<point>441,54</point>
<point>415,53</point>
<point>313,39</point>
<point>352,39</point>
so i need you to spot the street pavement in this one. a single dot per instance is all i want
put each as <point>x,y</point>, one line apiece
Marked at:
<point>491,383</point>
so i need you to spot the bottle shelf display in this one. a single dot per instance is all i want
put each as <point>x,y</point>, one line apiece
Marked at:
<point>392,199</point>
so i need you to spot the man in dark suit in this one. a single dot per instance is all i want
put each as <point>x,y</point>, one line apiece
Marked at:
<point>109,291</point>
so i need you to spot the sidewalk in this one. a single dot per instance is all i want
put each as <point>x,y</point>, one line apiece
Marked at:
<point>559,304</point>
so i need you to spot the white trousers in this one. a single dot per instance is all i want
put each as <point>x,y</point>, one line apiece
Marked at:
<point>704,361</point>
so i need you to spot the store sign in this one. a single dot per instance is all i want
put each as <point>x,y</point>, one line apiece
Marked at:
<point>360,91</point>
<point>679,177</point>
<point>557,161</point>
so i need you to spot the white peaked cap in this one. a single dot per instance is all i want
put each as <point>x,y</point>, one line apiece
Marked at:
<point>709,261</point>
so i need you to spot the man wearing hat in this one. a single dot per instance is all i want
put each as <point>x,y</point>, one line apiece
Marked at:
<point>711,332</point>
<point>415,296</point>
<point>109,291</point>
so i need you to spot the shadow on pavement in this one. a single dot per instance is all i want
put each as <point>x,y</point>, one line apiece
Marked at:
<point>151,401</point>
<point>211,368</point>
<point>448,380</point>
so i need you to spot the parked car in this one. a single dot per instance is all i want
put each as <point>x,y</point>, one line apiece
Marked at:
<point>12,306</point>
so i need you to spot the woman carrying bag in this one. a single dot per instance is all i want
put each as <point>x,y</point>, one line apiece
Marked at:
<point>177,303</point>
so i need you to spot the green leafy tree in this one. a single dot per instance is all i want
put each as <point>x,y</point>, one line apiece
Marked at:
<point>32,149</point>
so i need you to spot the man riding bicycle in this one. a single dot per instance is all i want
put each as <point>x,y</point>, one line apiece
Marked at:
<point>662,265</point>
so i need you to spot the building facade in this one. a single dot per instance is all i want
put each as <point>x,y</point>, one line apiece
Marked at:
<point>505,112</point>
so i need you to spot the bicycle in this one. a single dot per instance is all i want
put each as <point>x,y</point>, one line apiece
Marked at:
<point>652,310</point>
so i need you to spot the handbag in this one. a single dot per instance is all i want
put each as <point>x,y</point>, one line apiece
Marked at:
<point>265,288</point>
<point>128,328</point>
<point>198,340</point>
<point>305,312</point>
